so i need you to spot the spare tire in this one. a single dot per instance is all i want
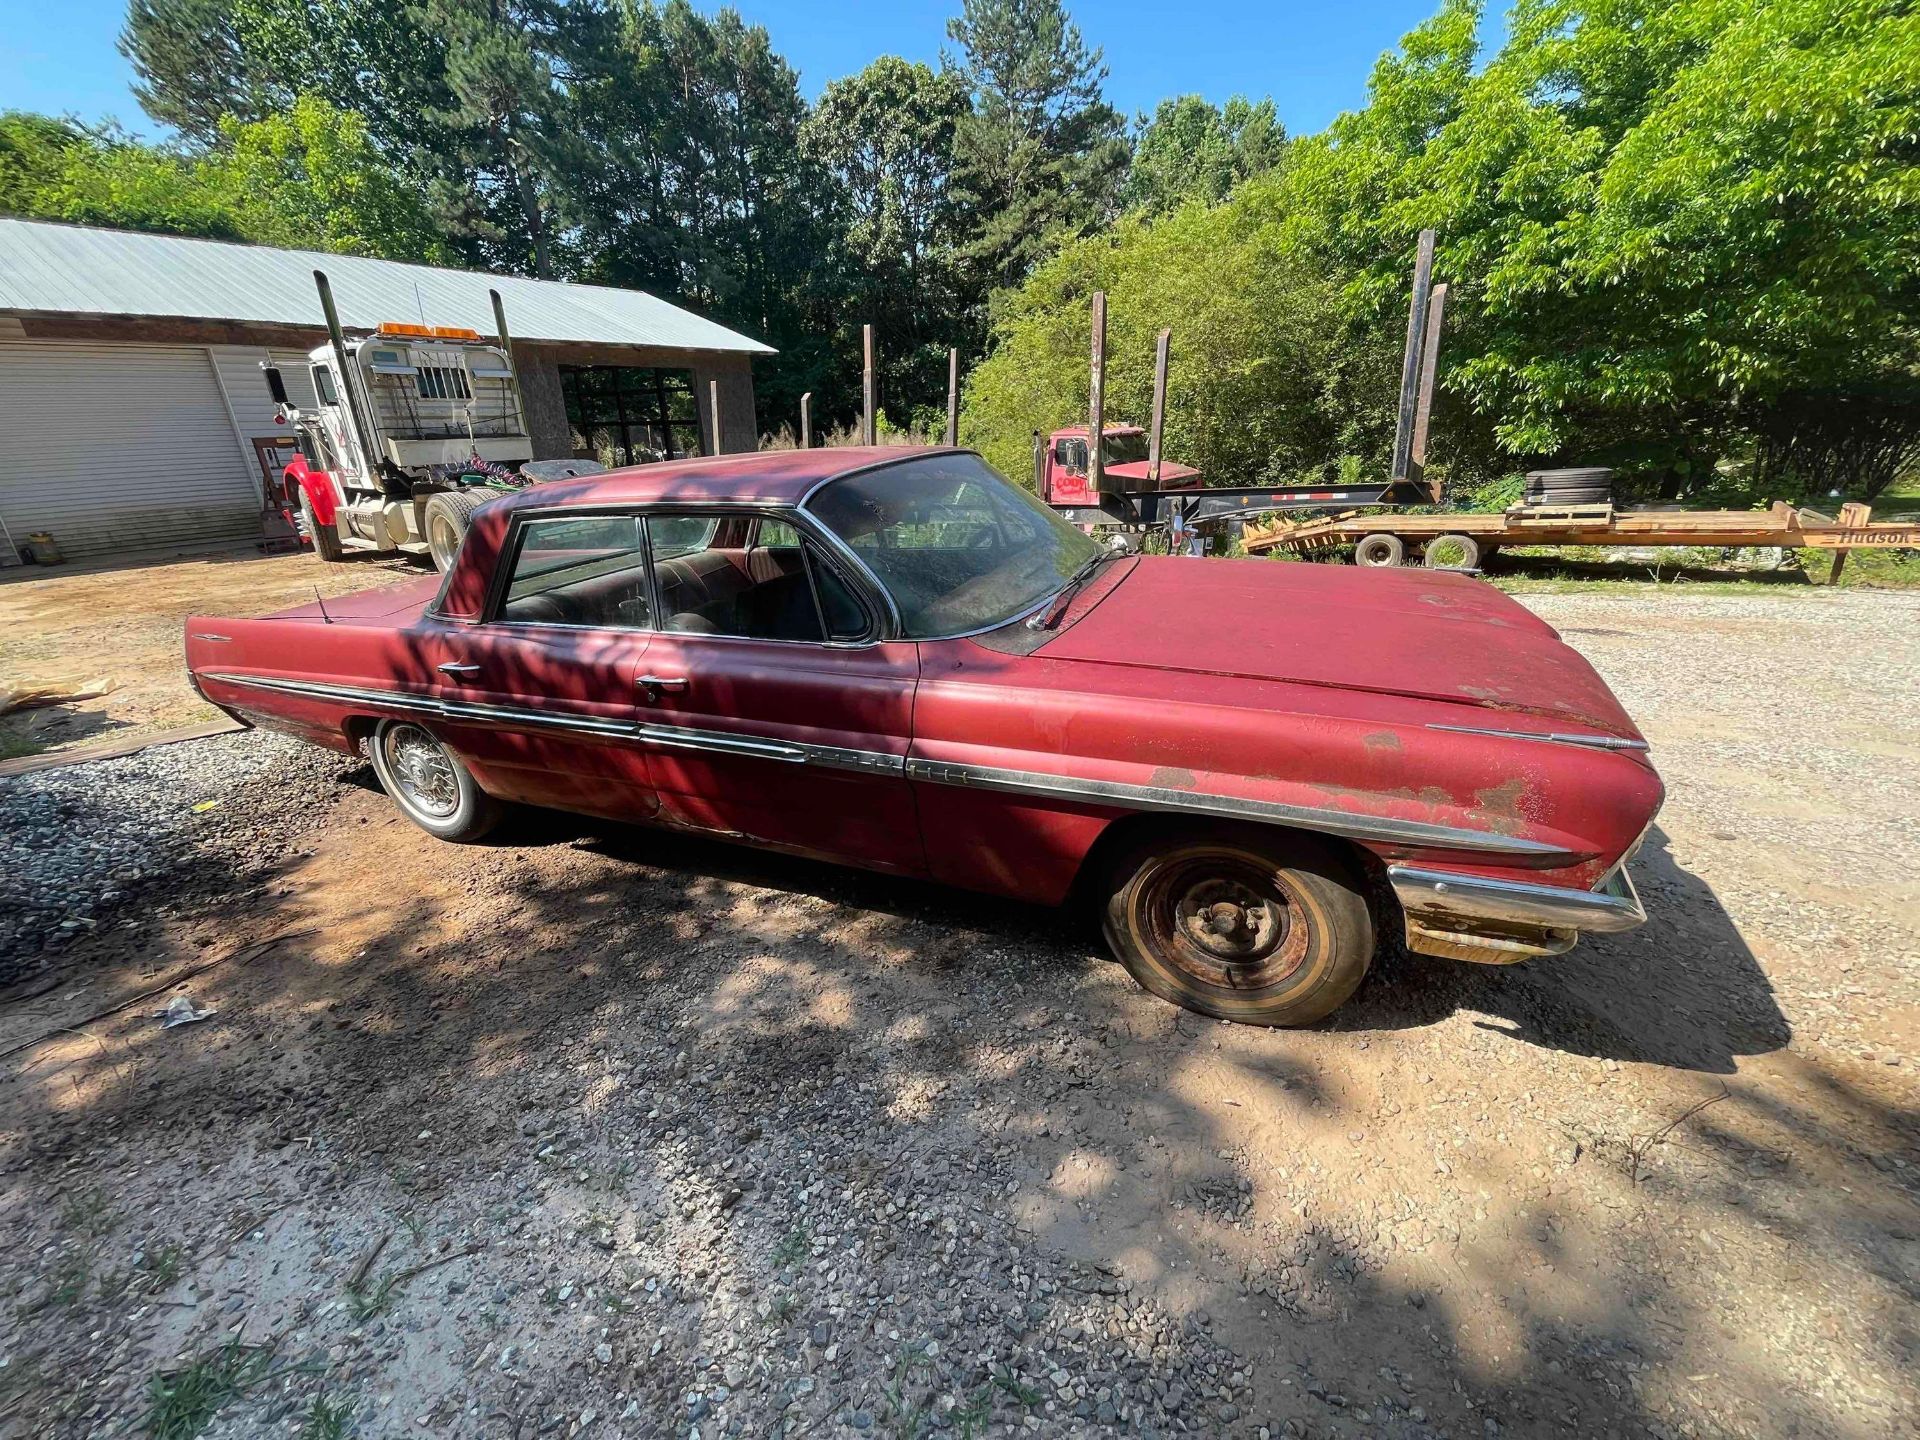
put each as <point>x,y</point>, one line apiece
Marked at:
<point>445,517</point>
<point>1379,550</point>
<point>1584,485</point>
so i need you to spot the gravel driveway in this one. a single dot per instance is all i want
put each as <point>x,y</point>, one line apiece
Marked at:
<point>606,1132</point>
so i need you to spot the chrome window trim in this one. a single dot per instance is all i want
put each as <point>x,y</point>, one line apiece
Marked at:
<point>1377,829</point>
<point>1591,742</point>
<point>1613,907</point>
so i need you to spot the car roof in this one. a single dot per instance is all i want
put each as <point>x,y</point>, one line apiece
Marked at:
<point>780,477</point>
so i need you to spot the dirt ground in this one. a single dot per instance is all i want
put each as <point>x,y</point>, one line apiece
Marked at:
<point>122,624</point>
<point>601,1131</point>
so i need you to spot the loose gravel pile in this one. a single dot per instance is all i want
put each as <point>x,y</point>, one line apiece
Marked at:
<point>190,820</point>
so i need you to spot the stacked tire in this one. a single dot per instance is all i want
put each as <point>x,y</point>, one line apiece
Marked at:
<point>1583,485</point>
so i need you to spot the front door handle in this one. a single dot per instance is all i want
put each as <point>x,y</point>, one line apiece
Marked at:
<point>450,668</point>
<point>656,684</point>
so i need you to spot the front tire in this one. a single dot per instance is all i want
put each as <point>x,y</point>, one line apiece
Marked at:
<point>326,538</point>
<point>429,784</point>
<point>1263,927</point>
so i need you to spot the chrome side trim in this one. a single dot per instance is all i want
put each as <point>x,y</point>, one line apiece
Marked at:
<point>675,737</point>
<point>1381,829</point>
<point>216,639</point>
<point>1440,894</point>
<point>1591,742</point>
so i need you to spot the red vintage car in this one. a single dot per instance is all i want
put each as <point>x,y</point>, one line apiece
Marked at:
<point>896,659</point>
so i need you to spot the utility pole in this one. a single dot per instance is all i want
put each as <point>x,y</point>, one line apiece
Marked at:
<point>806,421</point>
<point>1410,362</point>
<point>713,407</point>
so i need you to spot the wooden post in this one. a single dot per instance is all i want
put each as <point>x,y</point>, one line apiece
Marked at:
<point>1097,395</point>
<point>713,407</point>
<point>1039,466</point>
<point>806,421</point>
<point>953,397</point>
<point>1410,361</point>
<point>1423,405</point>
<point>869,435</point>
<point>1160,349</point>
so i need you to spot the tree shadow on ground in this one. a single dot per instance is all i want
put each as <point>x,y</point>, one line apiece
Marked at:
<point>708,1052</point>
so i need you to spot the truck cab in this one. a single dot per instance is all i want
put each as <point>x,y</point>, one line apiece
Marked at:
<point>1065,478</point>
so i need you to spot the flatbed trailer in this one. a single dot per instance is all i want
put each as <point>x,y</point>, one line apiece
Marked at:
<point>1460,541</point>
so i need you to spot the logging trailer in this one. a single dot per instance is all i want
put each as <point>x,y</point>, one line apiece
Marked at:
<point>1461,541</point>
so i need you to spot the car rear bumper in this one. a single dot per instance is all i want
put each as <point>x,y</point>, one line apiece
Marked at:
<point>1473,917</point>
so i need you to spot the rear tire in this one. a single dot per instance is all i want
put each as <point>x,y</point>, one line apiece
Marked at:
<point>1263,927</point>
<point>429,784</point>
<point>1377,552</point>
<point>326,538</point>
<point>446,516</point>
<point>1453,552</point>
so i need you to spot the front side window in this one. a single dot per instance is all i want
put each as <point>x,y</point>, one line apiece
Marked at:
<point>585,570</point>
<point>323,385</point>
<point>734,582</point>
<point>957,547</point>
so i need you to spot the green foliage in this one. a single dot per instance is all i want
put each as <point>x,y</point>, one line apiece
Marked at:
<point>1194,151</point>
<point>1040,152</point>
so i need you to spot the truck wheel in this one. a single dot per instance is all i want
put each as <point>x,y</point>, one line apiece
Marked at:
<point>446,514</point>
<point>429,785</point>
<point>325,538</point>
<point>1378,551</point>
<point>1264,927</point>
<point>1453,552</point>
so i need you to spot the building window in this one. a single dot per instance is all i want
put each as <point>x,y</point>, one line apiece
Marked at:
<point>628,415</point>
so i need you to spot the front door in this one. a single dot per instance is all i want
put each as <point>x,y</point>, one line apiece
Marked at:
<point>540,694</point>
<point>768,710</point>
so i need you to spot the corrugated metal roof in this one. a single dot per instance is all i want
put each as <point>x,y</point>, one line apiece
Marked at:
<point>75,269</point>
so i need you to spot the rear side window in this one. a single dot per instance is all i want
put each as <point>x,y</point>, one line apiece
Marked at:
<point>590,570</point>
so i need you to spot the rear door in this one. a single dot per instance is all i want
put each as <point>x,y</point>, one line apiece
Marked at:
<point>769,709</point>
<point>540,694</point>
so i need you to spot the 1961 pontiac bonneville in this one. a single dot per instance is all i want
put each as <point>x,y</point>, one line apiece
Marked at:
<point>895,659</point>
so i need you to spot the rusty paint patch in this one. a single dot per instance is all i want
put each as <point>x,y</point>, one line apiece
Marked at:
<point>1173,777</point>
<point>1501,805</point>
<point>1382,740</point>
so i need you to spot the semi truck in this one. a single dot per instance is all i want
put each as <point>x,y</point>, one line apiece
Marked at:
<point>415,427</point>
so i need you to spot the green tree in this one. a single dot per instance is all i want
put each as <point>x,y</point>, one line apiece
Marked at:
<point>189,65</point>
<point>1041,153</point>
<point>1195,151</point>
<point>884,141</point>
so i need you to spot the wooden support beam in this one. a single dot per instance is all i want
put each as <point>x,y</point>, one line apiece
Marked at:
<point>953,397</point>
<point>1423,403</point>
<point>1410,359</point>
<point>1161,348</point>
<point>1097,395</point>
<point>713,409</point>
<point>869,433</point>
<point>806,421</point>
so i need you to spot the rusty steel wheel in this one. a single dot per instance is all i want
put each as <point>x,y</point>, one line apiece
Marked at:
<point>1265,927</point>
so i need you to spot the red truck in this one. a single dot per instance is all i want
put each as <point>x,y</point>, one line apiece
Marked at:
<point>896,659</point>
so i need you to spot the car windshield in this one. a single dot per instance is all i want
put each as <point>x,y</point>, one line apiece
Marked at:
<point>958,548</point>
<point>1127,448</point>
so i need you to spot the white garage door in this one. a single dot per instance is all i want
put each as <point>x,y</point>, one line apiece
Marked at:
<point>120,447</point>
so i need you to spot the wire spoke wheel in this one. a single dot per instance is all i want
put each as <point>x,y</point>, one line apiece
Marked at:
<point>422,769</point>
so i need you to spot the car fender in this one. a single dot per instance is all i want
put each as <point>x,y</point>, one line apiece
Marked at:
<point>318,487</point>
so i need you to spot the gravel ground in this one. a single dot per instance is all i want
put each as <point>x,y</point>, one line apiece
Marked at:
<point>190,819</point>
<point>606,1132</point>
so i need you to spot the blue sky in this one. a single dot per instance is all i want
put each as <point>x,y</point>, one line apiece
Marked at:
<point>1312,58</point>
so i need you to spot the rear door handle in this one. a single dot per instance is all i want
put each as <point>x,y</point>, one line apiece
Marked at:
<point>450,668</point>
<point>662,682</point>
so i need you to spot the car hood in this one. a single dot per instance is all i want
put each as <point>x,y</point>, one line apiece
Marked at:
<point>1416,633</point>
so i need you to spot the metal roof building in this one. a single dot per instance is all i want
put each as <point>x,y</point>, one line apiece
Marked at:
<point>133,415</point>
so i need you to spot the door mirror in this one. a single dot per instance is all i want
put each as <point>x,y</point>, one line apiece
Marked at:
<point>275,385</point>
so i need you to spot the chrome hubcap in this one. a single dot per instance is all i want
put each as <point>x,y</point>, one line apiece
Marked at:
<point>423,770</point>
